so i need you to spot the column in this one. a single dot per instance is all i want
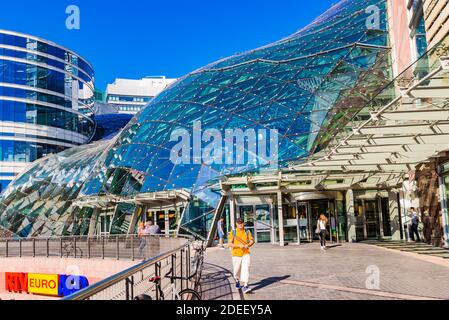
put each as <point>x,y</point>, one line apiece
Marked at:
<point>444,211</point>
<point>381,218</point>
<point>281,219</point>
<point>135,217</point>
<point>232,211</point>
<point>177,215</point>
<point>395,216</point>
<point>350,212</point>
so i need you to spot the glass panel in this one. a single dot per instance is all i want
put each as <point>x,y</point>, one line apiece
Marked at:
<point>342,220</point>
<point>173,218</point>
<point>263,223</point>
<point>386,217</point>
<point>360,220</point>
<point>303,222</point>
<point>372,219</point>
<point>247,213</point>
<point>160,220</point>
<point>290,224</point>
<point>318,207</point>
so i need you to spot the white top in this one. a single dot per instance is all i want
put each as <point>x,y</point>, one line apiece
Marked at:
<point>322,225</point>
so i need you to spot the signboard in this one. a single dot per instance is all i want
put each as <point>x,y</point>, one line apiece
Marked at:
<point>56,285</point>
<point>44,284</point>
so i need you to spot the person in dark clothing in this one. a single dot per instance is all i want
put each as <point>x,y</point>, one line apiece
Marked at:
<point>427,228</point>
<point>414,227</point>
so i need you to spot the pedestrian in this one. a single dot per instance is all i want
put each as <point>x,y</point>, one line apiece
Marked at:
<point>220,232</point>
<point>240,240</point>
<point>152,229</point>
<point>414,227</point>
<point>427,230</point>
<point>152,232</point>
<point>440,240</point>
<point>142,239</point>
<point>321,230</point>
<point>303,227</point>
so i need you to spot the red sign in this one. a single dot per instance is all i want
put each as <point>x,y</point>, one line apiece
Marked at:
<point>17,282</point>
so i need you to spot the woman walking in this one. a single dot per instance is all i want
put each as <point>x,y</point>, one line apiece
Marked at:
<point>321,228</point>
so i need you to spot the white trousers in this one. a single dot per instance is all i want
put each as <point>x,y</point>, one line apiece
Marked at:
<point>241,268</point>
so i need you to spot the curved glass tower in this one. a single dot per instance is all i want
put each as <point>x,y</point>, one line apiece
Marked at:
<point>46,97</point>
<point>253,111</point>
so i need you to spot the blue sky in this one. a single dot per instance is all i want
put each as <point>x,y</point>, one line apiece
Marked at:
<point>138,38</point>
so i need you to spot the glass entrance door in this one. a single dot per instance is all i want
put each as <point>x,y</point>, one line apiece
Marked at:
<point>304,232</point>
<point>291,224</point>
<point>372,219</point>
<point>258,220</point>
<point>317,208</point>
<point>247,213</point>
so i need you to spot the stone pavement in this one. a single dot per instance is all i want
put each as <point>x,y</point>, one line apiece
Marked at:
<point>343,272</point>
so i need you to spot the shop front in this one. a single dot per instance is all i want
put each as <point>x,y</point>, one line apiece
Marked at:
<point>372,215</point>
<point>289,219</point>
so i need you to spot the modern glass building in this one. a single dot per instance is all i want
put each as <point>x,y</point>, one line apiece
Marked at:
<point>250,117</point>
<point>46,99</point>
<point>304,87</point>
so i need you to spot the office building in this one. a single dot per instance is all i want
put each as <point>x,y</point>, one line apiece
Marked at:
<point>130,96</point>
<point>46,100</point>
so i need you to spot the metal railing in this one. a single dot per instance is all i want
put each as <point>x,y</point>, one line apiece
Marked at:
<point>118,247</point>
<point>137,281</point>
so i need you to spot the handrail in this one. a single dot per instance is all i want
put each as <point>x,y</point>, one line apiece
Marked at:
<point>120,247</point>
<point>68,238</point>
<point>108,282</point>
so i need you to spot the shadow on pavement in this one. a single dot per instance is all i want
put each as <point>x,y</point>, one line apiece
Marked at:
<point>268,282</point>
<point>215,283</point>
<point>333,246</point>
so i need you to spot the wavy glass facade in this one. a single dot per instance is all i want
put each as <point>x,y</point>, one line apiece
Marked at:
<point>306,86</point>
<point>46,98</point>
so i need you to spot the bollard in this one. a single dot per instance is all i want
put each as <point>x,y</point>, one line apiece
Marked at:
<point>127,291</point>
<point>156,274</point>
<point>74,244</point>
<point>48,247</point>
<point>132,287</point>
<point>20,248</point>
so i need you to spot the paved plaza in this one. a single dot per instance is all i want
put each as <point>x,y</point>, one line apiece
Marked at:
<point>343,272</point>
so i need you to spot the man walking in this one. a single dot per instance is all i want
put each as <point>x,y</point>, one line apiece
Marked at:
<point>414,227</point>
<point>240,240</point>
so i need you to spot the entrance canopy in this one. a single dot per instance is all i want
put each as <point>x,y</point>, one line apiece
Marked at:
<point>161,198</point>
<point>406,124</point>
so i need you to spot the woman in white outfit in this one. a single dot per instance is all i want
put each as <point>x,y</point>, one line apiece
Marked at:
<point>321,226</point>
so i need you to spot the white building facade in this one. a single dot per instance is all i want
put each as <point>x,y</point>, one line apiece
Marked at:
<point>130,96</point>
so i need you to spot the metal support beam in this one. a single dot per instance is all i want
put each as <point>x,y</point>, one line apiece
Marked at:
<point>280,218</point>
